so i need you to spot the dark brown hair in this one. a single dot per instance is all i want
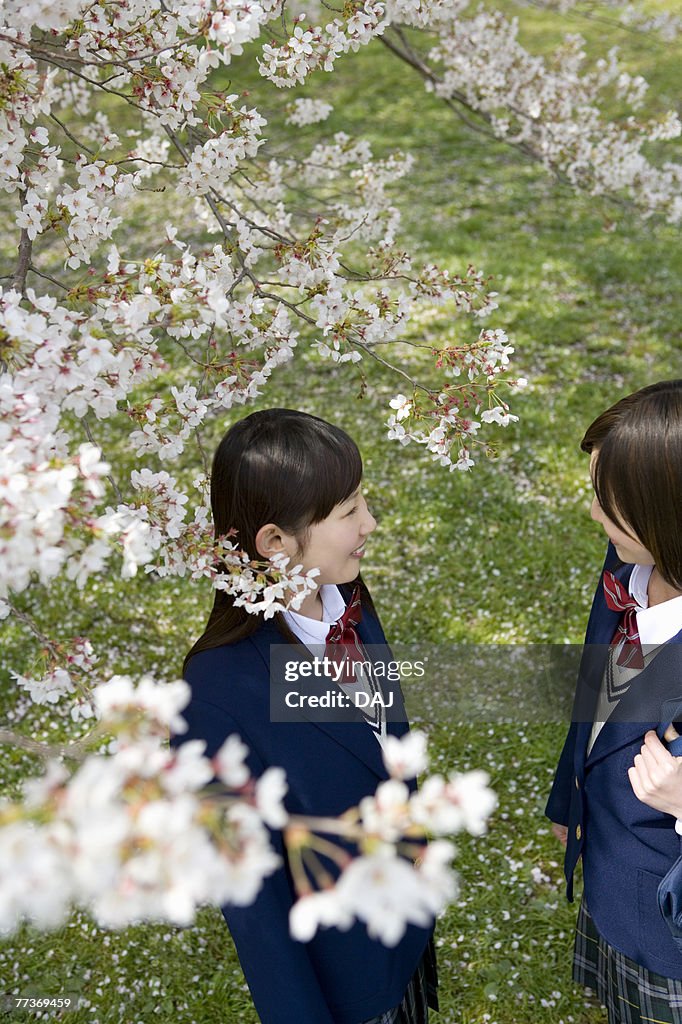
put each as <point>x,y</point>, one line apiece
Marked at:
<point>638,470</point>
<point>275,466</point>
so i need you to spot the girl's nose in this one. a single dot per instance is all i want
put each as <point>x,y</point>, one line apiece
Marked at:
<point>370,524</point>
<point>595,510</point>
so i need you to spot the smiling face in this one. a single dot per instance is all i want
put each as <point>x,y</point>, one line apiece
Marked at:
<point>336,544</point>
<point>628,548</point>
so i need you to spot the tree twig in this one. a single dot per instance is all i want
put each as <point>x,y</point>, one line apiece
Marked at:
<point>457,101</point>
<point>33,627</point>
<point>76,142</point>
<point>76,750</point>
<point>23,260</point>
<point>41,273</point>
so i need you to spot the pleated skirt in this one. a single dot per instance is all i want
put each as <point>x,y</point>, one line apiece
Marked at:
<point>420,995</point>
<point>631,993</point>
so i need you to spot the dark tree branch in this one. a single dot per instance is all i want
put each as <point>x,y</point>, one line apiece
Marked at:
<point>457,101</point>
<point>41,273</point>
<point>76,142</point>
<point>23,261</point>
<point>77,750</point>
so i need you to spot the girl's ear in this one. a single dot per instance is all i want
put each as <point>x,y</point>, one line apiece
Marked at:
<point>270,540</point>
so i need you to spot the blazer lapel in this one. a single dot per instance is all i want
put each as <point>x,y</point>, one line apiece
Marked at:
<point>646,703</point>
<point>615,735</point>
<point>600,630</point>
<point>372,635</point>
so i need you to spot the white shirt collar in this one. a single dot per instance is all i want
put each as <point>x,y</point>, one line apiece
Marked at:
<point>313,631</point>
<point>657,624</point>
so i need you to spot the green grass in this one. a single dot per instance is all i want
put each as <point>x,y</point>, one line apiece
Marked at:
<point>589,295</point>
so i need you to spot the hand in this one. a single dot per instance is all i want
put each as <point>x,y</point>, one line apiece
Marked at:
<point>561,832</point>
<point>656,776</point>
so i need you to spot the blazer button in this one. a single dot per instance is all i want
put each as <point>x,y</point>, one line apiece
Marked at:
<point>578,832</point>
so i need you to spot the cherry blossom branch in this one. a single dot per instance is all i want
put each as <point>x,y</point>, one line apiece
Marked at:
<point>227,231</point>
<point>205,457</point>
<point>456,101</point>
<point>75,750</point>
<point>408,55</point>
<point>23,262</point>
<point>285,302</point>
<point>223,811</point>
<point>69,134</point>
<point>33,627</point>
<point>47,277</point>
<point>99,85</point>
<point>416,385</point>
<point>43,49</point>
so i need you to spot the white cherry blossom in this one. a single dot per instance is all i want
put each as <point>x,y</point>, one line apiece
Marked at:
<point>229,762</point>
<point>271,789</point>
<point>405,757</point>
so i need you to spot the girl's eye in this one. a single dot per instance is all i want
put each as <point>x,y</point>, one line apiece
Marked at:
<point>354,509</point>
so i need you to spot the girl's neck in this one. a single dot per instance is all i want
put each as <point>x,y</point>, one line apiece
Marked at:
<point>659,591</point>
<point>312,607</point>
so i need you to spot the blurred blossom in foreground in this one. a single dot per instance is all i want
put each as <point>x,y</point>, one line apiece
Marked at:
<point>143,832</point>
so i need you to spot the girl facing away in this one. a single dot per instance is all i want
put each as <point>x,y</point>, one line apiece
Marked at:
<point>631,677</point>
<point>290,483</point>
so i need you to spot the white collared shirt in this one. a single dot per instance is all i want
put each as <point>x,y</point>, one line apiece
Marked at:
<point>313,633</point>
<point>662,621</point>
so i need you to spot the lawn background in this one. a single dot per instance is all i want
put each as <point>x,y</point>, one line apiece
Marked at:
<point>589,294</point>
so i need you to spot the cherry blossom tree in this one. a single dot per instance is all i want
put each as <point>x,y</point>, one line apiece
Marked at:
<point>113,112</point>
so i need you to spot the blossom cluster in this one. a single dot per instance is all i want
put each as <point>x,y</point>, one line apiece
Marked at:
<point>69,669</point>
<point>308,49</point>
<point>126,835</point>
<point>262,588</point>
<point>50,493</point>
<point>397,879</point>
<point>307,111</point>
<point>141,831</point>
<point>552,108</point>
<point>447,424</point>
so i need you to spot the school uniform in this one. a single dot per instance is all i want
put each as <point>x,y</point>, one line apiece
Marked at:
<point>624,948</point>
<point>339,977</point>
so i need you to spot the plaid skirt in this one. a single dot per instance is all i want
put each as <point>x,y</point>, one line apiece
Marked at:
<point>420,994</point>
<point>631,993</point>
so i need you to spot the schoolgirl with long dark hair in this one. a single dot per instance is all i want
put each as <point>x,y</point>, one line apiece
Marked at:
<point>290,484</point>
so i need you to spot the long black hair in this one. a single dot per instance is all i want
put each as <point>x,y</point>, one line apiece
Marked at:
<point>275,466</point>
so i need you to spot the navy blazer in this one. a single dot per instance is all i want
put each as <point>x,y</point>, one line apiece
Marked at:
<point>339,977</point>
<point>626,846</point>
